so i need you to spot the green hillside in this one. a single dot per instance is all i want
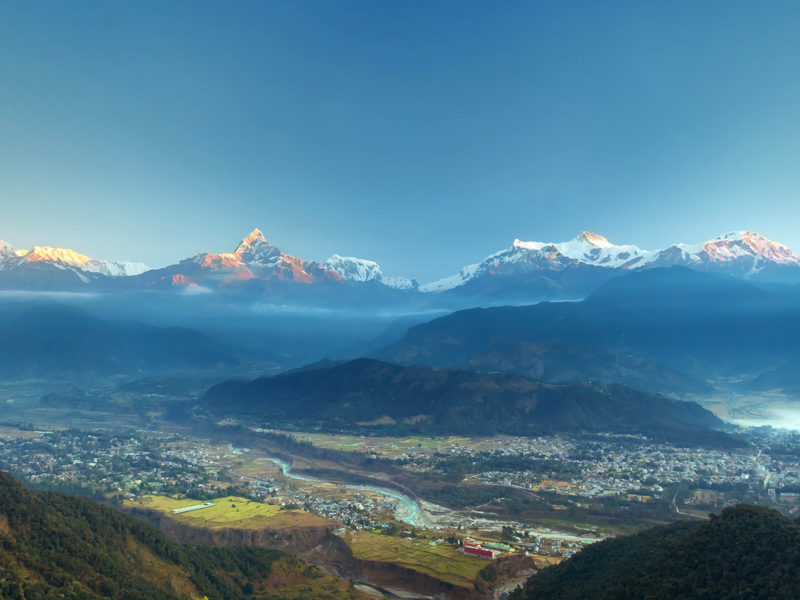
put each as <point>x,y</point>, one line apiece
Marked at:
<point>55,546</point>
<point>745,553</point>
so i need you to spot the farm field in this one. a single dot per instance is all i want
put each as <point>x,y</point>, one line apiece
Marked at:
<point>442,562</point>
<point>290,579</point>
<point>230,511</point>
<point>392,447</point>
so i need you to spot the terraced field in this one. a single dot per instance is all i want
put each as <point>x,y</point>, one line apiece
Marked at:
<point>442,562</point>
<point>230,511</point>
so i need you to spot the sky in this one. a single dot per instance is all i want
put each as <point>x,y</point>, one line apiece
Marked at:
<point>423,135</point>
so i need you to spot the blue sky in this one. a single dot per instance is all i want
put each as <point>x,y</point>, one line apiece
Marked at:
<point>424,135</point>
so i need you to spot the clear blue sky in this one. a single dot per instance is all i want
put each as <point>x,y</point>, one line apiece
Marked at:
<point>424,135</point>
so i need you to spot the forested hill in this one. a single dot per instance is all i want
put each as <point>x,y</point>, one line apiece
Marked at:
<point>425,400</point>
<point>745,553</point>
<point>54,546</point>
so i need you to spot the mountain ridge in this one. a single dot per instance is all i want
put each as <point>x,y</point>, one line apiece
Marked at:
<point>698,324</point>
<point>526,271</point>
<point>424,400</point>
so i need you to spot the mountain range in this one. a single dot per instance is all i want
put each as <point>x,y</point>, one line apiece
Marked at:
<point>527,271</point>
<point>661,329</point>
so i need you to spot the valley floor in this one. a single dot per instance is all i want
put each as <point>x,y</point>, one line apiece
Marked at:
<point>405,508</point>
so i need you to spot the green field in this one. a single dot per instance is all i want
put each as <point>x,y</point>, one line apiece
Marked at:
<point>230,511</point>
<point>392,447</point>
<point>442,562</point>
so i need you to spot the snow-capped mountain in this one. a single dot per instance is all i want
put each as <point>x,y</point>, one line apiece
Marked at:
<point>253,260</point>
<point>359,269</point>
<point>255,257</point>
<point>588,249</point>
<point>34,264</point>
<point>255,263</point>
<point>741,254</point>
<point>525,271</point>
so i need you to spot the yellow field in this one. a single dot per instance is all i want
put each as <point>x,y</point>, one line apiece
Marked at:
<point>231,511</point>
<point>442,562</point>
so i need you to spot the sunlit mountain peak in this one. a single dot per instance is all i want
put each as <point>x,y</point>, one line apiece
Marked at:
<point>252,238</point>
<point>594,239</point>
<point>50,254</point>
<point>736,244</point>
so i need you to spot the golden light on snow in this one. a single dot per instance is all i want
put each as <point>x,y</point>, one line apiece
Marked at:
<point>48,253</point>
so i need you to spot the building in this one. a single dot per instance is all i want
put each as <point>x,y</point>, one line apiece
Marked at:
<point>481,552</point>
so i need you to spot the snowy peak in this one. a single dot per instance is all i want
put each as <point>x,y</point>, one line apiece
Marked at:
<point>254,249</point>
<point>596,250</point>
<point>738,253</point>
<point>587,247</point>
<point>256,258</point>
<point>354,269</point>
<point>64,256</point>
<point>253,238</point>
<point>66,259</point>
<point>526,258</point>
<point>363,270</point>
<point>734,245</point>
<point>587,237</point>
<point>6,251</point>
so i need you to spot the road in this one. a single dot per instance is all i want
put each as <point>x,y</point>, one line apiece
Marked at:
<point>680,512</point>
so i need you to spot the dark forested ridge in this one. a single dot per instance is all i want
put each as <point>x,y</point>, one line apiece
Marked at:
<point>48,339</point>
<point>422,399</point>
<point>745,553</point>
<point>55,546</point>
<point>669,327</point>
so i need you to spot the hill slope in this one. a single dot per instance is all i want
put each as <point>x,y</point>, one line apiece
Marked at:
<point>747,552</point>
<point>423,399</point>
<point>58,546</point>
<point>50,339</point>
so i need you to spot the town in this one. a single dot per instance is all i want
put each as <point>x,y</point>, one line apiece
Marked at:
<point>573,467</point>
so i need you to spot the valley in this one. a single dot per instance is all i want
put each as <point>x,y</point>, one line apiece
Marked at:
<point>396,449</point>
<point>308,300</point>
<point>400,506</point>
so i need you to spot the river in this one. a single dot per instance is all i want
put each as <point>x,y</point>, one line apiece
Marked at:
<point>407,509</point>
<point>419,513</point>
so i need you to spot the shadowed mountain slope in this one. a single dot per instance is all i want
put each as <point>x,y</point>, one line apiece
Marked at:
<point>416,398</point>
<point>682,320</point>
<point>53,339</point>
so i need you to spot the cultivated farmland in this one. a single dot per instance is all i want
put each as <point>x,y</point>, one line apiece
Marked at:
<point>230,511</point>
<point>443,562</point>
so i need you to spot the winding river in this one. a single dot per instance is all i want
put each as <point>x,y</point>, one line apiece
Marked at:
<point>407,509</point>
<point>419,513</point>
